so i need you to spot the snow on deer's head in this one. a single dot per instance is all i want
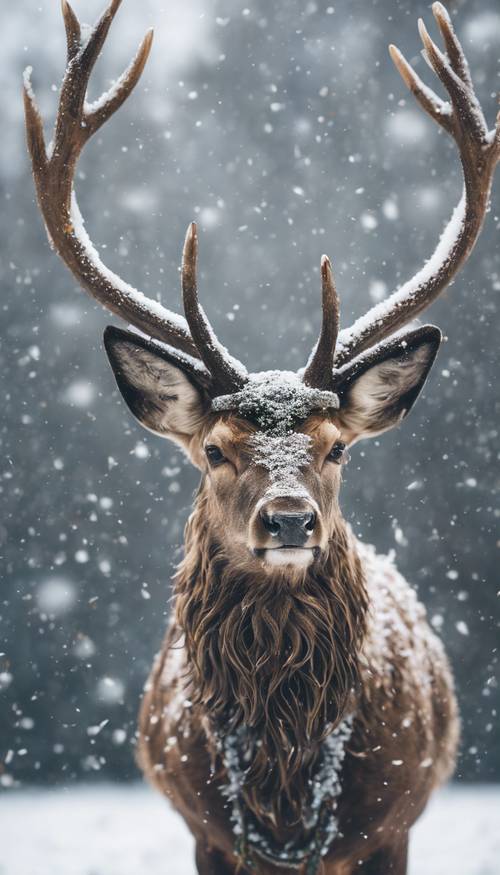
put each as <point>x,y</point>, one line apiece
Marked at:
<point>270,445</point>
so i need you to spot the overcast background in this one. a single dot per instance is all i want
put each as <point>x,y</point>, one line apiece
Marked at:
<point>284,130</point>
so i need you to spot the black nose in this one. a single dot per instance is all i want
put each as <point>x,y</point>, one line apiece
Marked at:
<point>293,529</point>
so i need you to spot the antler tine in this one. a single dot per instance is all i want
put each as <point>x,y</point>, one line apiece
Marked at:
<point>319,370</point>
<point>110,102</point>
<point>462,95</point>
<point>454,50</point>
<point>97,38</point>
<point>228,374</point>
<point>479,151</point>
<point>34,126</point>
<point>73,30</point>
<point>438,109</point>
<point>54,171</point>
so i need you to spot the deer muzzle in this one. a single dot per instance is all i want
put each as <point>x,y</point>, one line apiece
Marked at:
<point>286,531</point>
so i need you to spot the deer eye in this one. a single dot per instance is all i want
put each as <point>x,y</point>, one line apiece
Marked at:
<point>338,453</point>
<point>214,455</point>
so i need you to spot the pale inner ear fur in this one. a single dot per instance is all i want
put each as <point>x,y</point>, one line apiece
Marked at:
<point>385,393</point>
<point>158,393</point>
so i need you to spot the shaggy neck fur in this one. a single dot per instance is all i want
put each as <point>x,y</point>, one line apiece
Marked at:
<point>279,658</point>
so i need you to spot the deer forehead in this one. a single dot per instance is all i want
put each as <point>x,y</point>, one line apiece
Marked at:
<point>268,412</point>
<point>235,435</point>
<point>276,400</point>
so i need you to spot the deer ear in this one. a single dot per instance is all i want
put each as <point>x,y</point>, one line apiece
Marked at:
<point>382,386</point>
<point>165,390</point>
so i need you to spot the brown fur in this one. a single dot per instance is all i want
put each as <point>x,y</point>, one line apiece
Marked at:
<point>280,659</point>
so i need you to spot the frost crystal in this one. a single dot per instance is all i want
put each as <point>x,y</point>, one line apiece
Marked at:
<point>276,400</point>
<point>320,820</point>
<point>283,456</point>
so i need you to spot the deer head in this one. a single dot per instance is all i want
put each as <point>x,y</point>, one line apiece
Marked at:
<point>270,445</point>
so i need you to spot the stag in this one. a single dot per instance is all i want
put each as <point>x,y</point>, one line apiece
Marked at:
<point>301,710</point>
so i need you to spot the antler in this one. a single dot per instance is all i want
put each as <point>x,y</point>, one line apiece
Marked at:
<point>54,170</point>
<point>228,374</point>
<point>479,150</point>
<point>77,121</point>
<point>319,370</point>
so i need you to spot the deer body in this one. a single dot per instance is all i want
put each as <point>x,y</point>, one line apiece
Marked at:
<point>301,710</point>
<point>402,746</point>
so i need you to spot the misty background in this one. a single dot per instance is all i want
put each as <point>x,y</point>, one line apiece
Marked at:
<point>285,132</point>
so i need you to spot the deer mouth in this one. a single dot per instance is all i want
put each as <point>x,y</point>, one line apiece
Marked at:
<point>300,557</point>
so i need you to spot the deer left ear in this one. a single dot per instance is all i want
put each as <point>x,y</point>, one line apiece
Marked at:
<point>164,389</point>
<point>381,387</point>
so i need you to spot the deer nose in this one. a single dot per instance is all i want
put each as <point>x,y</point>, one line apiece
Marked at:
<point>291,527</point>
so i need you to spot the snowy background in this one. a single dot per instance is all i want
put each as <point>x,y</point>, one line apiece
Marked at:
<point>284,130</point>
<point>108,831</point>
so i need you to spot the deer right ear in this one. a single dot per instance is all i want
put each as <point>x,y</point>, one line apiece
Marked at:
<point>381,387</point>
<point>165,391</point>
